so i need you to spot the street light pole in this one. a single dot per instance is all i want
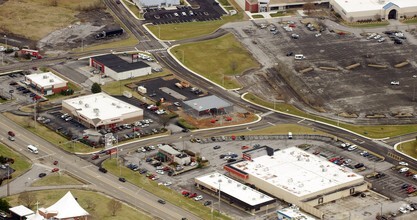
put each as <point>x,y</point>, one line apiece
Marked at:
<point>5,38</point>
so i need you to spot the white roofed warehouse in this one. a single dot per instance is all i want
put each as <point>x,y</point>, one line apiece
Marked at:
<point>361,10</point>
<point>46,83</point>
<point>298,177</point>
<point>234,192</point>
<point>208,106</point>
<point>101,110</point>
<point>119,69</point>
<point>156,3</point>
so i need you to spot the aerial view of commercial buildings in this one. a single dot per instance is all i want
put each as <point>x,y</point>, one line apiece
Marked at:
<point>208,109</point>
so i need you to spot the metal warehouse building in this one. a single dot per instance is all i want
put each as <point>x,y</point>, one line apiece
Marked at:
<point>235,193</point>
<point>101,111</point>
<point>118,69</point>
<point>46,83</point>
<point>298,177</point>
<point>354,10</point>
<point>208,105</point>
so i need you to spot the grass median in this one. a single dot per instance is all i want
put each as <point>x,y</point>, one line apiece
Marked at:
<point>371,131</point>
<point>161,191</point>
<point>94,203</point>
<point>283,129</point>
<point>409,148</point>
<point>189,30</point>
<point>21,164</point>
<point>218,60</point>
<point>56,179</point>
<point>49,135</point>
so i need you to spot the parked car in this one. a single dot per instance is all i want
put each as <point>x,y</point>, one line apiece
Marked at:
<point>198,198</point>
<point>402,163</point>
<point>352,148</point>
<point>217,147</point>
<point>55,170</point>
<point>161,201</point>
<point>359,165</point>
<point>404,169</point>
<point>207,203</point>
<point>55,162</point>
<point>42,175</point>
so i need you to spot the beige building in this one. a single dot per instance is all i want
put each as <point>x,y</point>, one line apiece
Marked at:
<point>357,10</point>
<point>298,177</point>
<point>101,111</point>
<point>169,154</point>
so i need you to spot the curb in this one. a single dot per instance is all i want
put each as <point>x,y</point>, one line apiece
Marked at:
<point>309,119</point>
<point>127,8</point>
<point>404,154</point>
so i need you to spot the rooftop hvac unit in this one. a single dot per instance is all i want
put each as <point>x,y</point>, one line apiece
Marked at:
<point>269,151</point>
<point>212,175</point>
<point>113,104</point>
<point>80,101</point>
<point>45,76</point>
<point>96,111</point>
<point>51,80</point>
<point>262,196</point>
<point>118,106</point>
<point>244,188</point>
<point>87,105</point>
<point>238,185</point>
<point>229,181</point>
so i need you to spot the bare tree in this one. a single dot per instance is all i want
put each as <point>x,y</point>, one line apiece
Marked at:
<point>114,206</point>
<point>90,204</point>
<point>26,198</point>
<point>309,6</point>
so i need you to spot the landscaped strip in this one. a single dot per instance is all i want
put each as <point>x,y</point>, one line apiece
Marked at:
<point>370,131</point>
<point>409,148</point>
<point>161,191</point>
<point>218,60</point>
<point>94,203</point>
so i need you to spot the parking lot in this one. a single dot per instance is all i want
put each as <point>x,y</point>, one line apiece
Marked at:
<point>363,84</point>
<point>12,86</point>
<point>220,150</point>
<point>200,11</point>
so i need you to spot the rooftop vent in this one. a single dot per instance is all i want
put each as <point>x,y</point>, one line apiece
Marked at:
<point>51,80</point>
<point>229,181</point>
<point>113,104</point>
<point>80,102</point>
<point>244,188</point>
<point>212,175</point>
<point>87,105</point>
<point>45,76</point>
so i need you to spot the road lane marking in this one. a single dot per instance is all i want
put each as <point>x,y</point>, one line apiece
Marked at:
<point>301,121</point>
<point>271,123</point>
<point>267,113</point>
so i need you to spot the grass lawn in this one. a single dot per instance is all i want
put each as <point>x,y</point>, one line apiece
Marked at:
<point>161,191</point>
<point>280,14</point>
<point>376,131</point>
<point>410,21</point>
<point>224,2</point>
<point>258,16</point>
<point>133,8</point>
<point>21,164</point>
<point>58,95</point>
<point>49,135</point>
<point>84,197</point>
<point>56,179</point>
<point>217,59</point>
<point>23,17</point>
<point>409,148</point>
<point>283,129</point>
<point>191,29</point>
<point>367,25</point>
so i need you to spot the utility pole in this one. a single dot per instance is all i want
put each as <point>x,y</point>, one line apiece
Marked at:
<point>34,112</point>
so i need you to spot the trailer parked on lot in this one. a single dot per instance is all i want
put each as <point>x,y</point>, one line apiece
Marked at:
<point>112,33</point>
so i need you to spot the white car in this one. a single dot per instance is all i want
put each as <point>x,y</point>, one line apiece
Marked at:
<point>403,163</point>
<point>198,198</point>
<point>396,83</point>
<point>317,35</point>
<point>403,170</point>
<point>167,183</point>
<point>352,148</point>
<point>377,37</point>
<point>403,210</point>
<point>343,145</point>
<point>380,40</point>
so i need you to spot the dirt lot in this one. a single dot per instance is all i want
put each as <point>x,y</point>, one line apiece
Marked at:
<point>363,90</point>
<point>61,26</point>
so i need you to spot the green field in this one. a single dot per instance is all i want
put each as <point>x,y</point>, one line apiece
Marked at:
<point>56,179</point>
<point>190,29</point>
<point>257,16</point>
<point>367,25</point>
<point>163,192</point>
<point>21,164</point>
<point>409,148</point>
<point>100,211</point>
<point>376,131</point>
<point>49,135</point>
<point>218,59</point>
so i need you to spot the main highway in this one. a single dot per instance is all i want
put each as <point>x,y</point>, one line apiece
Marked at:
<point>141,198</point>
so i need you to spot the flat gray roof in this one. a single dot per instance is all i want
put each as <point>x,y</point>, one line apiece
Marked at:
<point>207,102</point>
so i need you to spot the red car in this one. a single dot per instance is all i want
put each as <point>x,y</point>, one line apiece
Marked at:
<point>11,133</point>
<point>185,192</point>
<point>192,195</point>
<point>55,170</point>
<point>95,156</point>
<point>55,162</point>
<point>334,159</point>
<point>244,147</point>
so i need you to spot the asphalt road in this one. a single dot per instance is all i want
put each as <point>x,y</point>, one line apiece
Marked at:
<point>106,183</point>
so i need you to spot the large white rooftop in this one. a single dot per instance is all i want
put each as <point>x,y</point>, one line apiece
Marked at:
<point>45,80</point>
<point>371,5</point>
<point>297,172</point>
<point>101,106</point>
<point>234,188</point>
<point>294,213</point>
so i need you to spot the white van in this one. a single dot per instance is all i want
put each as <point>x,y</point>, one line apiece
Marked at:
<point>299,57</point>
<point>289,135</point>
<point>32,149</point>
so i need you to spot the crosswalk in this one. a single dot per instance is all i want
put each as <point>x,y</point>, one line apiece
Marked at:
<point>395,157</point>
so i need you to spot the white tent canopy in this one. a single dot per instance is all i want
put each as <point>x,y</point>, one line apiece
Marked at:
<point>66,207</point>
